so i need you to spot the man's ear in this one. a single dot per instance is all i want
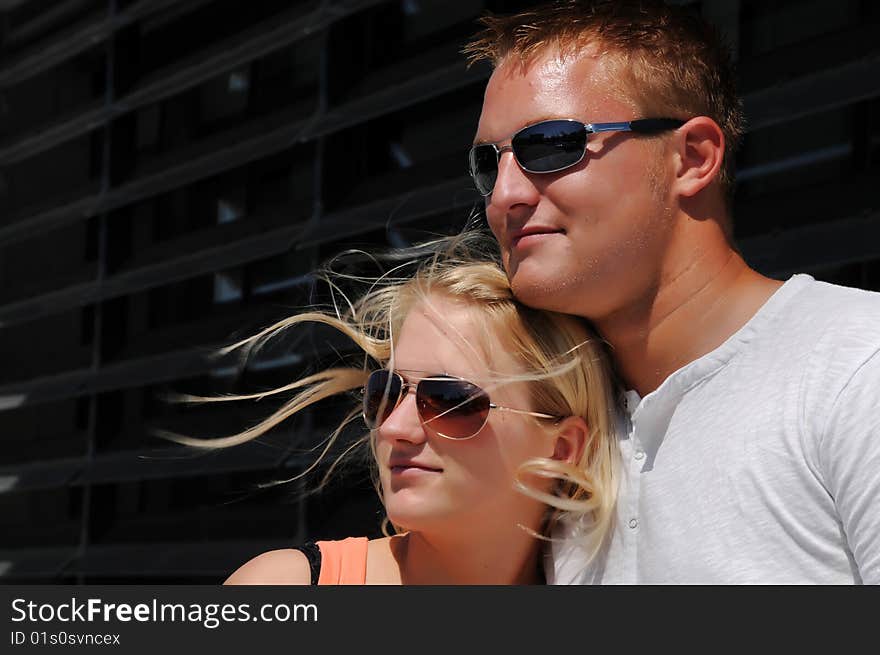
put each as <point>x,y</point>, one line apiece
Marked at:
<point>570,438</point>
<point>699,151</point>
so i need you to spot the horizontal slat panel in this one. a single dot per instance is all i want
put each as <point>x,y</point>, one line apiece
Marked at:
<point>283,31</point>
<point>217,558</point>
<point>407,207</point>
<point>813,94</point>
<point>825,245</point>
<point>214,160</point>
<point>157,368</point>
<point>46,55</point>
<point>150,464</point>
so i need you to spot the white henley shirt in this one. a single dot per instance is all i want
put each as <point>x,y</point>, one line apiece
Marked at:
<point>756,463</point>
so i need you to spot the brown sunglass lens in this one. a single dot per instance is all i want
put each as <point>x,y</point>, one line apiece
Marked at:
<point>380,397</point>
<point>452,407</point>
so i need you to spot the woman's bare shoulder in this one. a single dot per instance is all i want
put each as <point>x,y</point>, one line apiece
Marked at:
<point>283,566</point>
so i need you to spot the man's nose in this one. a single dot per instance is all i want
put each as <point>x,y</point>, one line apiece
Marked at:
<point>514,189</point>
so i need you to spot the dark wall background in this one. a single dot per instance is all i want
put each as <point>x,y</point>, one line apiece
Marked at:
<point>170,173</point>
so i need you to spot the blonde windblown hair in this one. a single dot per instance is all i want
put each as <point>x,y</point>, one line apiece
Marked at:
<point>568,372</point>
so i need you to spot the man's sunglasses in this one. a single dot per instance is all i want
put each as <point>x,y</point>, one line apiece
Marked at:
<point>551,146</point>
<point>452,407</point>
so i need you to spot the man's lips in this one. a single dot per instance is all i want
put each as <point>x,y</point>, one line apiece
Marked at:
<point>532,233</point>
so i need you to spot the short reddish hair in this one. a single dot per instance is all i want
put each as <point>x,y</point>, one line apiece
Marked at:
<point>673,62</point>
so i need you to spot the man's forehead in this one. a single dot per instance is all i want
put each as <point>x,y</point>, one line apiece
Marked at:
<point>552,85</point>
<point>552,61</point>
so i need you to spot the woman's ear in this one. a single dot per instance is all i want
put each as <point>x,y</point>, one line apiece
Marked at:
<point>570,439</point>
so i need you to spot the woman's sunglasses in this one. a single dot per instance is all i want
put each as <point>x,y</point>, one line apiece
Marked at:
<point>452,407</point>
<point>551,146</point>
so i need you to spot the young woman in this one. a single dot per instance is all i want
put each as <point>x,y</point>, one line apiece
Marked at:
<point>489,422</point>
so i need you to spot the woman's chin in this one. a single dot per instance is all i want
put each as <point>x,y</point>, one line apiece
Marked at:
<point>417,516</point>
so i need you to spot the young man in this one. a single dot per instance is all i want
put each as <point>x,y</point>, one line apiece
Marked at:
<point>751,449</point>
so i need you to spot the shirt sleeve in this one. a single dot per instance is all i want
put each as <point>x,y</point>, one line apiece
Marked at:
<point>850,454</point>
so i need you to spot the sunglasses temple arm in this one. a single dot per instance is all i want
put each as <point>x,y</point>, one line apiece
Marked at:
<point>521,411</point>
<point>644,125</point>
<point>609,127</point>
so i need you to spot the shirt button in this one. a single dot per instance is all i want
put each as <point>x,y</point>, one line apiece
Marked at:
<point>633,523</point>
<point>640,454</point>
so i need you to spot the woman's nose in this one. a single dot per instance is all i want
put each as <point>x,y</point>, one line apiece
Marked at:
<point>403,424</point>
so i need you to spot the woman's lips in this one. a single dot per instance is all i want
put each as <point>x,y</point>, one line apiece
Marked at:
<point>412,470</point>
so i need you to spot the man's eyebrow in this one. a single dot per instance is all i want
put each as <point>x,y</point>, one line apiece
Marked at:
<point>549,117</point>
<point>478,142</point>
<point>532,121</point>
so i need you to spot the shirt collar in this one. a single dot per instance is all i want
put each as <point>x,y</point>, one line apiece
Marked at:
<point>650,416</point>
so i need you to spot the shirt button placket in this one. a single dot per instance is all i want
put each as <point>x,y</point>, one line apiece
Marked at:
<point>630,549</point>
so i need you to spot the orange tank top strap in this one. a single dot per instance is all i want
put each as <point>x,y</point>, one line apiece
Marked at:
<point>343,562</point>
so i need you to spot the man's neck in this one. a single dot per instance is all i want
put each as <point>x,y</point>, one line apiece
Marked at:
<point>689,314</point>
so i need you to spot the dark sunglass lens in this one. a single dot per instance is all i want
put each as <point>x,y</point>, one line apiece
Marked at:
<point>380,397</point>
<point>550,146</point>
<point>452,407</point>
<point>483,162</point>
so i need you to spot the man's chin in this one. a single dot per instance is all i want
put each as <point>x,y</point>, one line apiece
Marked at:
<point>540,292</point>
<point>538,281</point>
